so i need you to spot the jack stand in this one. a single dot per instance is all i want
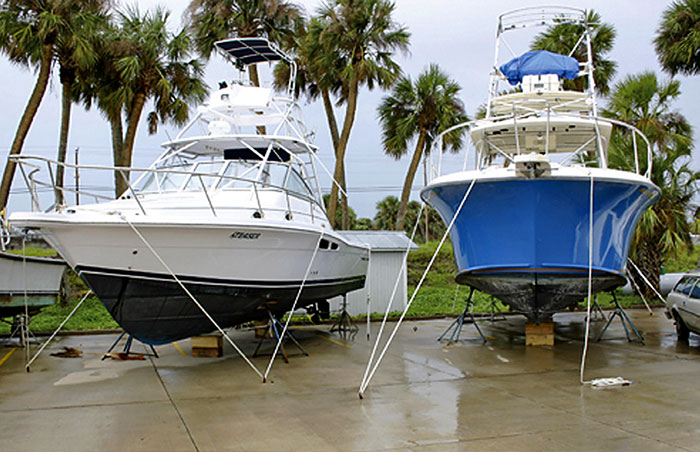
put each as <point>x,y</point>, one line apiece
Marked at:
<point>625,320</point>
<point>492,309</point>
<point>19,328</point>
<point>597,312</point>
<point>345,324</point>
<point>272,327</point>
<point>127,347</point>
<point>459,322</point>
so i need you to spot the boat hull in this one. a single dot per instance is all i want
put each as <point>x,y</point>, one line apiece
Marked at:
<point>236,271</point>
<point>156,310</point>
<point>35,281</point>
<point>526,241</point>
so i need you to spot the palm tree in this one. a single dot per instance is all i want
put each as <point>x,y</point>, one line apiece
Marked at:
<point>214,20</point>
<point>142,60</point>
<point>561,38</point>
<point>677,40</point>
<point>357,40</point>
<point>645,102</point>
<point>387,211</point>
<point>420,111</point>
<point>315,81</point>
<point>29,33</point>
<point>76,54</point>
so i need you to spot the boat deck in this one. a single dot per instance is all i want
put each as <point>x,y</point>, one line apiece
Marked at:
<point>425,397</point>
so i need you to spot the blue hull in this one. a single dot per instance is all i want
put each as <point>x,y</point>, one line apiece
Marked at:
<point>526,241</point>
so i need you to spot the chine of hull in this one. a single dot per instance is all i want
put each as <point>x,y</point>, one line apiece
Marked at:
<point>155,310</point>
<point>526,241</point>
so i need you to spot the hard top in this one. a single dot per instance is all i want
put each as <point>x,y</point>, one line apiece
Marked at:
<point>247,51</point>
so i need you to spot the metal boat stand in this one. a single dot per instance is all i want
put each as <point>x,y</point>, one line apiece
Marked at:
<point>274,327</point>
<point>19,328</point>
<point>624,318</point>
<point>345,324</point>
<point>495,316</point>
<point>127,347</point>
<point>597,312</point>
<point>459,322</point>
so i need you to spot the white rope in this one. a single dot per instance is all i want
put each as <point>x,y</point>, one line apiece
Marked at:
<point>646,280</point>
<point>590,284</point>
<point>391,298</point>
<point>415,292</point>
<point>57,330</point>
<point>638,290</point>
<point>194,300</point>
<point>294,306</point>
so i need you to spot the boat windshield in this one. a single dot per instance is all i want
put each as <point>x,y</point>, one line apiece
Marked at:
<point>217,175</point>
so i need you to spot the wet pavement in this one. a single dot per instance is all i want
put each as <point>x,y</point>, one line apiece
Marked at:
<point>426,396</point>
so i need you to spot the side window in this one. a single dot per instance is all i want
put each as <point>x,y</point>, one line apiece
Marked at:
<point>682,284</point>
<point>695,293</point>
<point>689,285</point>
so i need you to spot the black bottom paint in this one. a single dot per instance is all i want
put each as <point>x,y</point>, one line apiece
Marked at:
<point>156,310</point>
<point>538,295</point>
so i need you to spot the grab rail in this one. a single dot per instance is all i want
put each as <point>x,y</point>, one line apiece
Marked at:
<point>480,162</point>
<point>33,183</point>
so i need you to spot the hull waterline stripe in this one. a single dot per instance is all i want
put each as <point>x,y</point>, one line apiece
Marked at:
<point>209,281</point>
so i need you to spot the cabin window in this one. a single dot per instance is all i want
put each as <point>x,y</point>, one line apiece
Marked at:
<point>324,244</point>
<point>197,181</point>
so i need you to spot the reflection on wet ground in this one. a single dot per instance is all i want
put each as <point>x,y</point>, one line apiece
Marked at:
<point>426,395</point>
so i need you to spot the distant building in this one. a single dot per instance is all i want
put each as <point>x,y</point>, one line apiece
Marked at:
<point>387,256</point>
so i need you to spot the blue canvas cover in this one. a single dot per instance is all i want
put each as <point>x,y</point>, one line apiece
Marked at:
<point>540,62</point>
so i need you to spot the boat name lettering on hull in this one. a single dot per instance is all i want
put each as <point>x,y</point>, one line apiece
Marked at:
<point>246,235</point>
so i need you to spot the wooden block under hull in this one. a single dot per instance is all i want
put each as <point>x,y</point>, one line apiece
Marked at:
<point>207,346</point>
<point>539,335</point>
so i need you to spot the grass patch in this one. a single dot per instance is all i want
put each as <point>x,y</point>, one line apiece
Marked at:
<point>92,315</point>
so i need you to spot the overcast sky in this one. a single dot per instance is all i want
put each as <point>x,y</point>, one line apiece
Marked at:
<point>458,35</point>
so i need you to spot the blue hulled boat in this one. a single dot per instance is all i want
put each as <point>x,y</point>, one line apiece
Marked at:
<point>540,181</point>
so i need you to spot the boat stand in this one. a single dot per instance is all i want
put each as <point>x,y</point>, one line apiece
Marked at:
<point>274,327</point>
<point>495,316</point>
<point>345,324</point>
<point>456,325</point>
<point>624,318</point>
<point>19,328</point>
<point>597,312</point>
<point>127,347</point>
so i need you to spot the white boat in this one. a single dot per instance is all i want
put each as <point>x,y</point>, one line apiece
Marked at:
<point>231,210</point>
<point>540,179</point>
<point>31,281</point>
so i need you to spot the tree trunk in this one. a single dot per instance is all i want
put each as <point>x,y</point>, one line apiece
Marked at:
<point>333,127</point>
<point>26,121</point>
<point>427,208</point>
<point>66,103</point>
<point>649,260</point>
<point>117,146</point>
<point>410,175</point>
<point>343,144</point>
<point>129,138</point>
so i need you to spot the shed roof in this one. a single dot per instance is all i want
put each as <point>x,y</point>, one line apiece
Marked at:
<point>381,240</point>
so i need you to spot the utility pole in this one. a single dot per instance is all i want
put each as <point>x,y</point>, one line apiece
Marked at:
<point>77,178</point>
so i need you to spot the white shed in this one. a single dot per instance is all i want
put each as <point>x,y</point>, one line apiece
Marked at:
<point>387,256</point>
